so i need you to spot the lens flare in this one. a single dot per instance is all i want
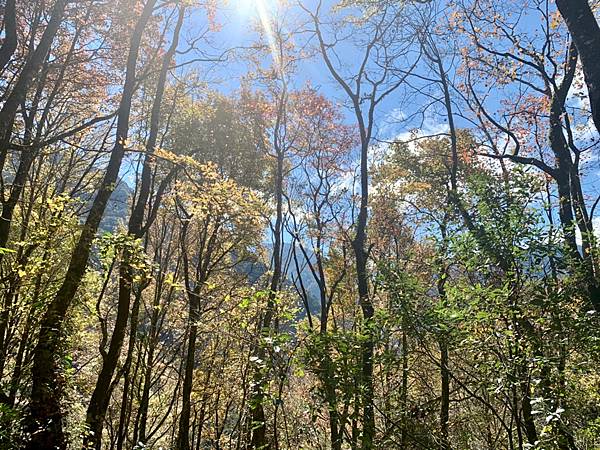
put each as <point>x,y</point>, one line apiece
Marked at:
<point>264,11</point>
<point>265,18</point>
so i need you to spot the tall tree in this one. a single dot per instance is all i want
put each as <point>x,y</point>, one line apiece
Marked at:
<point>219,220</point>
<point>547,81</point>
<point>372,81</point>
<point>100,398</point>
<point>46,422</point>
<point>322,145</point>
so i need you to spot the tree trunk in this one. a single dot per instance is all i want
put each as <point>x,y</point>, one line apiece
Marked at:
<point>183,436</point>
<point>9,45</point>
<point>404,387</point>
<point>443,341</point>
<point>585,32</point>
<point>445,402</point>
<point>46,421</point>
<point>152,339</point>
<point>147,377</point>
<point>101,396</point>
<point>127,383</point>
<point>327,378</point>
<point>528,420</point>
<point>366,304</point>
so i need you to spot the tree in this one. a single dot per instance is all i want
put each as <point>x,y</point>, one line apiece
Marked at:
<point>136,230</point>
<point>222,220</point>
<point>317,207</point>
<point>46,417</point>
<point>380,72</point>
<point>541,83</point>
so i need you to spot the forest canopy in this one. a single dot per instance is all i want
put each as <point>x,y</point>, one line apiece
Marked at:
<point>299,224</point>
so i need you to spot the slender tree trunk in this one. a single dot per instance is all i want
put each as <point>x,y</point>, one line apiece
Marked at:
<point>445,402</point>
<point>366,304</point>
<point>46,421</point>
<point>5,319</point>
<point>140,429</point>
<point>127,379</point>
<point>444,372</point>
<point>24,341</point>
<point>21,87</point>
<point>147,380</point>
<point>528,420</point>
<point>516,415</point>
<point>101,396</point>
<point>328,380</point>
<point>258,426</point>
<point>193,292</point>
<point>443,342</point>
<point>404,388</point>
<point>183,435</point>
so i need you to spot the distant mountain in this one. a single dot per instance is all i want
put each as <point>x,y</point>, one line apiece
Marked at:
<point>117,213</point>
<point>118,208</point>
<point>302,274</point>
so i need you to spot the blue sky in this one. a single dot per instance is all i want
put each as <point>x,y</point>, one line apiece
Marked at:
<point>240,20</point>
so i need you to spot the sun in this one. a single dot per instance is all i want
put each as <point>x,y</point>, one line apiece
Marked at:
<point>249,8</point>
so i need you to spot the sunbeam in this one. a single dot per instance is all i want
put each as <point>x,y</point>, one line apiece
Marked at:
<point>264,11</point>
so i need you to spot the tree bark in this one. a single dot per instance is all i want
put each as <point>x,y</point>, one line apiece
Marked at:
<point>445,403</point>
<point>528,420</point>
<point>9,45</point>
<point>585,32</point>
<point>183,435</point>
<point>124,413</point>
<point>46,418</point>
<point>443,344</point>
<point>101,396</point>
<point>365,302</point>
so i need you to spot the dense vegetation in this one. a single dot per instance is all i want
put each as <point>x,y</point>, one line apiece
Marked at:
<point>200,249</point>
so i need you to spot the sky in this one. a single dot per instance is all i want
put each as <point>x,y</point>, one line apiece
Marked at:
<point>239,22</point>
